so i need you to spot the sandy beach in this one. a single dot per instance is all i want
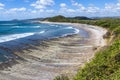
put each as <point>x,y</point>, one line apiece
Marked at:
<point>57,56</point>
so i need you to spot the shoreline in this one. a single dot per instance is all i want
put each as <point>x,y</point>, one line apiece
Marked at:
<point>57,56</point>
<point>92,30</point>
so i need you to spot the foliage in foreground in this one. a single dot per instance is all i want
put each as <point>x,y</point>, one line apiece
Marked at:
<point>106,63</point>
<point>62,77</point>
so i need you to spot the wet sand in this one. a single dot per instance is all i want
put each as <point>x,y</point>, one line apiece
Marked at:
<point>56,56</point>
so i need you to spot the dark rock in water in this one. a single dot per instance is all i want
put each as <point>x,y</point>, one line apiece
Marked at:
<point>7,64</point>
<point>107,35</point>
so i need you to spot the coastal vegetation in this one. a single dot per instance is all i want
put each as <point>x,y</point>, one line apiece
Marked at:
<point>61,18</point>
<point>106,63</point>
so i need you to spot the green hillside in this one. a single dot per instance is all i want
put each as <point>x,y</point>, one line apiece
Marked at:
<point>61,18</point>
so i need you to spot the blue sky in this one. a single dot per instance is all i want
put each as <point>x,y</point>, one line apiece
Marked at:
<point>26,9</point>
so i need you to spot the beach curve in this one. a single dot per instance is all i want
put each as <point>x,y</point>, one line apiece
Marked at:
<point>57,56</point>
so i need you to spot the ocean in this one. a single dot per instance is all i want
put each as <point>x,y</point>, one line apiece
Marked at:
<point>16,35</point>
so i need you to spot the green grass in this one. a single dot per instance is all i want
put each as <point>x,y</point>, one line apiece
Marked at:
<point>104,66</point>
<point>106,63</point>
<point>62,77</point>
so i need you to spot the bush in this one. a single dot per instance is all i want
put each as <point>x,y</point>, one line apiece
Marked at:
<point>62,77</point>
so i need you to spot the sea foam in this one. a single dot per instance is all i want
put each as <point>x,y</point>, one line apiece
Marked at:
<point>76,31</point>
<point>17,36</point>
<point>20,30</point>
<point>14,36</point>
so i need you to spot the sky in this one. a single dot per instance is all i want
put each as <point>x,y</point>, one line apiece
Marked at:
<point>27,9</point>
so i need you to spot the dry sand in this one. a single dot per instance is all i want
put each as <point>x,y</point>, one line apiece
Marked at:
<point>57,56</point>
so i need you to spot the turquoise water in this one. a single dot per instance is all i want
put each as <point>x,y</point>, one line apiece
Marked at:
<point>14,30</point>
<point>15,35</point>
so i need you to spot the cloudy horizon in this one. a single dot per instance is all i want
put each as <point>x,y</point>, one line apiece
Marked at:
<point>26,9</point>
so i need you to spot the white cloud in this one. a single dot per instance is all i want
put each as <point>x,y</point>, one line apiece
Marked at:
<point>41,10</point>
<point>34,11</point>
<point>71,10</point>
<point>49,11</point>
<point>92,9</point>
<point>18,9</point>
<point>108,6</point>
<point>75,9</point>
<point>1,6</point>
<point>80,6</point>
<point>64,9</point>
<point>42,4</point>
<point>112,6</point>
<point>109,9</point>
<point>63,5</point>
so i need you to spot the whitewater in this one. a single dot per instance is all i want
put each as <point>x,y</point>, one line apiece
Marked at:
<point>12,30</point>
